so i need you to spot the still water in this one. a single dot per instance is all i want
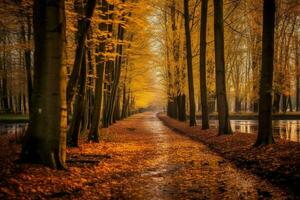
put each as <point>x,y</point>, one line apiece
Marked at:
<point>285,129</point>
<point>15,130</point>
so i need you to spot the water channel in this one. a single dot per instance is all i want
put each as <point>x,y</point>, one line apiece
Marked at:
<point>285,129</point>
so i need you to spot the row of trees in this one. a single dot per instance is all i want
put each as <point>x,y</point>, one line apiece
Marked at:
<point>82,63</point>
<point>176,80</point>
<point>236,55</point>
<point>79,61</point>
<point>242,52</point>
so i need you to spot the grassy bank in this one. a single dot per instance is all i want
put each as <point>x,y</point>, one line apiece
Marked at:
<point>13,118</point>
<point>279,163</point>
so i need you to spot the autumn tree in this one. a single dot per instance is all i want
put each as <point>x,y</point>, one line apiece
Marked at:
<point>203,89</point>
<point>297,69</point>
<point>265,135</point>
<point>94,134</point>
<point>189,60</point>
<point>223,113</point>
<point>15,56</point>
<point>48,145</point>
<point>78,75</point>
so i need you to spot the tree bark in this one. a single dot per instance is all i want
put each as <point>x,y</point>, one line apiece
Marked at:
<point>297,66</point>
<point>181,107</point>
<point>123,114</point>
<point>203,89</point>
<point>265,135</point>
<point>222,105</point>
<point>45,140</point>
<point>94,134</point>
<point>74,130</point>
<point>83,27</point>
<point>189,59</point>
<point>117,73</point>
<point>284,103</point>
<point>276,102</point>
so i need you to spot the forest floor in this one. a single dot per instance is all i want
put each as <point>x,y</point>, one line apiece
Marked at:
<point>138,158</point>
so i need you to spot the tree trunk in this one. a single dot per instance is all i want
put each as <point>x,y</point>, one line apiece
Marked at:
<point>189,59</point>
<point>203,89</point>
<point>276,102</point>
<point>94,134</point>
<point>284,103</point>
<point>116,76</point>
<point>181,107</point>
<point>45,140</point>
<point>123,114</point>
<point>297,66</point>
<point>74,130</point>
<point>116,115</point>
<point>298,93</point>
<point>107,88</point>
<point>83,27</point>
<point>89,90</point>
<point>222,105</point>
<point>265,135</point>
<point>290,104</point>
<point>109,75</point>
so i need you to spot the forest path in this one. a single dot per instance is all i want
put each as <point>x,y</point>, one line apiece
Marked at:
<point>162,164</point>
<point>140,158</point>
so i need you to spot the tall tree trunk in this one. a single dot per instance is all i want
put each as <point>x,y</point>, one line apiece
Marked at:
<point>116,114</point>
<point>123,114</point>
<point>86,119</point>
<point>276,102</point>
<point>290,104</point>
<point>222,105</point>
<point>116,76</point>
<point>203,89</point>
<point>189,59</point>
<point>107,91</point>
<point>74,130</point>
<point>94,134</point>
<point>109,74</point>
<point>181,107</point>
<point>83,27</point>
<point>265,135</point>
<point>284,103</point>
<point>45,140</point>
<point>297,66</point>
<point>298,93</point>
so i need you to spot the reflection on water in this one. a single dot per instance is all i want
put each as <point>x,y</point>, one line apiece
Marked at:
<point>16,130</point>
<point>285,129</point>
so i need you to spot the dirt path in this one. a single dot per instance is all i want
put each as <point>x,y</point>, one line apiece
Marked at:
<point>170,166</point>
<point>143,159</point>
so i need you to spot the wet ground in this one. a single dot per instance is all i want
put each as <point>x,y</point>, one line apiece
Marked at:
<point>143,160</point>
<point>170,166</point>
